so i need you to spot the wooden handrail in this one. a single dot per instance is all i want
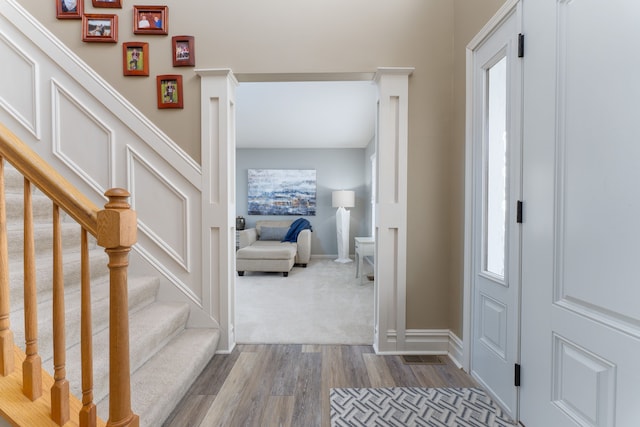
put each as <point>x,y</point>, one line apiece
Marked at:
<point>48,180</point>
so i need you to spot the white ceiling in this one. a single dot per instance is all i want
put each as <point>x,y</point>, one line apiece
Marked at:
<point>326,114</point>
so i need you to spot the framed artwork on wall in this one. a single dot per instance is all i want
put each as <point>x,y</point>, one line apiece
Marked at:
<point>99,28</point>
<point>184,53</point>
<point>281,192</point>
<point>151,20</point>
<point>169,91</point>
<point>69,9</point>
<point>107,3</point>
<point>135,59</point>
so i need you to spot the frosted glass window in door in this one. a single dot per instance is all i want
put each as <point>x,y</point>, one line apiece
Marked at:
<point>495,156</point>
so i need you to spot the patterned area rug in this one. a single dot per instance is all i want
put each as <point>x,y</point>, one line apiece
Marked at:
<point>403,407</point>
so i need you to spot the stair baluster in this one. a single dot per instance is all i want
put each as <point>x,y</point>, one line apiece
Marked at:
<point>88,413</point>
<point>117,226</point>
<point>6,336</point>
<point>32,365</point>
<point>60,389</point>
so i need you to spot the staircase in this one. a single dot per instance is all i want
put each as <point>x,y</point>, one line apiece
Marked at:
<point>165,355</point>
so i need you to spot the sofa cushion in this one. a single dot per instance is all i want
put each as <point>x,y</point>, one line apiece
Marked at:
<point>267,252</point>
<point>273,233</point>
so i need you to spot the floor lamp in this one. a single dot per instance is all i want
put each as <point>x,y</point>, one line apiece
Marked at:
<point>343,199</point>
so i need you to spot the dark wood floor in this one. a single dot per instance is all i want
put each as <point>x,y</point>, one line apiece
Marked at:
<point>288,385</point>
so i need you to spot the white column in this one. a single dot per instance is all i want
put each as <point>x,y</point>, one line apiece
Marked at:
<point>217,100</point>
<point>391,208</point>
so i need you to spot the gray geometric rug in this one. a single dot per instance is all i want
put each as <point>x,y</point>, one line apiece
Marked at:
<point>413,406</point>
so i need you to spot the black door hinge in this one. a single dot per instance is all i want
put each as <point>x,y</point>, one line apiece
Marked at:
<point>520,45</point>
<point>519,212</point>
<point>516,379</point>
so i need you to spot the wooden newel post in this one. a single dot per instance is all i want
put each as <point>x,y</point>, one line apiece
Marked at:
<point>117,227</point>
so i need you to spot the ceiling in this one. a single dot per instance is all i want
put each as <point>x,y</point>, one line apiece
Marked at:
<point>319,114</point>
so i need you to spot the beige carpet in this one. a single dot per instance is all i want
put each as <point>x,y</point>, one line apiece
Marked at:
<point>321,304</point>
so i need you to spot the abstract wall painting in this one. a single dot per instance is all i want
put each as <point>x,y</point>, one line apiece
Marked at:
<point>282,192</point>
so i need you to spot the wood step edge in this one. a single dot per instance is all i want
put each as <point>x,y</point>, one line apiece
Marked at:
<point>18,410</point>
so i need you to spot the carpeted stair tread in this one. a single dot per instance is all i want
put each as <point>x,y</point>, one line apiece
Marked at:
<point>43,238</point>
<point>149,330</point>
<point>42,208</point>
<point>142,292</point>
<point>158,385</point>
<point>13,180</point>
<point>44,275</point>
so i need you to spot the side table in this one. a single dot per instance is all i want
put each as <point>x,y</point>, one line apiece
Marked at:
<point>365,246</point>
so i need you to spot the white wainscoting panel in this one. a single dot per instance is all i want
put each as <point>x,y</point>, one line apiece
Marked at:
<point>159,203</point>
<point>81,140</point>
<point>19,94</point>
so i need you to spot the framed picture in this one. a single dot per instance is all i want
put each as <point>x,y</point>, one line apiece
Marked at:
<point>169,87</point>
<point>107,3</point>
<point>69,9</point>
<point>184,54</point>
<point>150,20</point>
<point>281,192</point>
<point>99,28</point>
<point>135,59</point>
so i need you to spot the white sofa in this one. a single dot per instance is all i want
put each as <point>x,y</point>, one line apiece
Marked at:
<point>261,248</point>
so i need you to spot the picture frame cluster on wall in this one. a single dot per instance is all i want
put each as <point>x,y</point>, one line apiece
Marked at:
<point>147,20</point>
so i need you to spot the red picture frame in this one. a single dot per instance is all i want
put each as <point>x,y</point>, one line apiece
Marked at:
<point>135,59</point>
<point>99,28</point>
<point>69,9</point>
<point>184,53</point>
<point>151,20</point>
<point>117,4</point>
<point>169,91</point>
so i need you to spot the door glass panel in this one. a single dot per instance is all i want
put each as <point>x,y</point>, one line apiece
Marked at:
<point>496,168</point>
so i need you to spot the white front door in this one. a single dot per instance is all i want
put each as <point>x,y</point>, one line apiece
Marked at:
<point>496,188</point>
<point>581,230</point>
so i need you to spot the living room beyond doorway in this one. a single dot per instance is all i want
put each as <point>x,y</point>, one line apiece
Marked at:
<point>325,300</point>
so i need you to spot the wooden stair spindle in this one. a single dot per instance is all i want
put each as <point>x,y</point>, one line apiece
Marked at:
<point>7,362</point>
<point>88,412</point>
<point>60,389</point>
<point>117,225</point>
<point>32,365</point>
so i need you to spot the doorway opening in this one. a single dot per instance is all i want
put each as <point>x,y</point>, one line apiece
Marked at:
<point>328,127</point>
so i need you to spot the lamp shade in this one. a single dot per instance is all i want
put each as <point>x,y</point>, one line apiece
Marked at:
<point>343,199</point>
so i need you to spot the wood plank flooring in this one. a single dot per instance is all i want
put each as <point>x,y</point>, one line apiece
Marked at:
<point>281,385</point>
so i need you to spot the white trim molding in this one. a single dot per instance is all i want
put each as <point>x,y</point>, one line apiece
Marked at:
<point>428,341</point>
<point>391,209</point>
<point>218,139</point>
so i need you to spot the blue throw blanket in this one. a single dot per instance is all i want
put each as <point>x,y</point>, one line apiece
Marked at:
<point>296,227</point>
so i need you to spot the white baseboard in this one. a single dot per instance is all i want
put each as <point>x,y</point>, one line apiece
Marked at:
<point>455,349</point>
<point>428,341</point>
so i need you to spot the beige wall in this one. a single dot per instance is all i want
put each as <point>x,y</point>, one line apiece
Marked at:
<point>293,36</point>
<point>470,17</point>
